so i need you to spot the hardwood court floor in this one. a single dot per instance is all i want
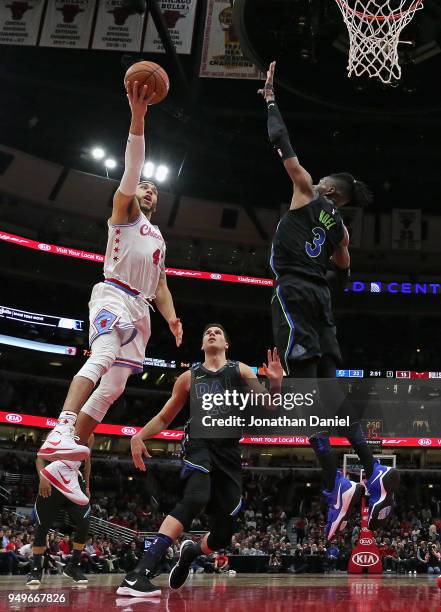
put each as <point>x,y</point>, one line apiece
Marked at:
<point>240,593</point>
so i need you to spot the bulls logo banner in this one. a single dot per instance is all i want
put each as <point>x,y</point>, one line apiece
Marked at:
<point>68,24</point>
<point>20,21</point>
<point>117,28</point>
<point>179,19</point>
<point>406,229</point>
<point>222,56</point>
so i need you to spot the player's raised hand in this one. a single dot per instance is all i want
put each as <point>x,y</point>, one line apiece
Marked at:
<point>139,450</point>
<point>273,370</point>
<point>268,89</point>
<point>138,98</point>
<point>176,329</point>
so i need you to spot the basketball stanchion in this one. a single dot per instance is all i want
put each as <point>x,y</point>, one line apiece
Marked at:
<point>365,557</point>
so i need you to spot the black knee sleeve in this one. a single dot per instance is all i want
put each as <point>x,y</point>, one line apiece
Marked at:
<point>40,534</point>
<point>196,497</point>
<point>221,533</point>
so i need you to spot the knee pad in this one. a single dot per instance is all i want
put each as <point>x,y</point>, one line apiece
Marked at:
<point>221,533</point>
<point>196,497</point>
<point>110,388</point>
<point>104,352</point>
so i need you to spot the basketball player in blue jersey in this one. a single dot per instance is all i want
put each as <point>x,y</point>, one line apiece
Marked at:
<point>134,277</point>
<point>307,237</point>
<point>212,467</point>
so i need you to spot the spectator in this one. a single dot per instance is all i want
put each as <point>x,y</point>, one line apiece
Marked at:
<point>433,558</point>
<point>332,555</point>
<point>221,563</point>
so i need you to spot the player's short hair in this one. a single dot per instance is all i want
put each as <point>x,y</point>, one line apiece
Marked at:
<point>220,326</point>
<point>149,182</point>
<point>354,191</point>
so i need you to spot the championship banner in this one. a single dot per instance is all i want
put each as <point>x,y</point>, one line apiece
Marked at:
<point>20,21</point>
<point>406,229</point>
<point>68,24</point>
<point>117,29</point>
<point>222,56</point>
<point>179,19</point>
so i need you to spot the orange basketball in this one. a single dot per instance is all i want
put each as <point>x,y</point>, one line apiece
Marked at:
<point>152,75</point>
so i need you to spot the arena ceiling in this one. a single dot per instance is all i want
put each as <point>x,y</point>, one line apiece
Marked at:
<point>56,104</point>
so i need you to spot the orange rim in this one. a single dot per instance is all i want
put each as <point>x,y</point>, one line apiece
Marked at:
<point>391,17</point>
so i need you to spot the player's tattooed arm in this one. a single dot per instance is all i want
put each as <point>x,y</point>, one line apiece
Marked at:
<point>178,399</point>
<point>341,256</point>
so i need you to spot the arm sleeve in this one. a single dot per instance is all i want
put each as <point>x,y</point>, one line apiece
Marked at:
<point>278,132</point>
<point>134,160</point>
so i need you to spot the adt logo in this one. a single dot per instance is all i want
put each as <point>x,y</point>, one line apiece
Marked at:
<point>365,559</point>
<point>44,247</point>
<point>424,441</point>
<point>128,431</point>
<point>14,418</point>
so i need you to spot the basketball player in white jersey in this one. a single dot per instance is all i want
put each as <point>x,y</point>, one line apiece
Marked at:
<point>134,276</point>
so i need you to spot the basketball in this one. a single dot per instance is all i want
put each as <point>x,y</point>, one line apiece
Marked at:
<point>152,75</point>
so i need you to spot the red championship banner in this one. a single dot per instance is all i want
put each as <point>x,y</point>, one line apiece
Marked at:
<point>20,21</point>
<point>68,24</point>
<point>222,56</point>
<point>117,29</point>
<point>179,19</point>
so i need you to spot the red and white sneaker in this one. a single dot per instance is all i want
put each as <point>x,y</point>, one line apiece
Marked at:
<point>61,444</point>
<point>63,475</point>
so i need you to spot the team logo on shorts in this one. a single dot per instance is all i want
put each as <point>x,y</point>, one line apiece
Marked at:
<point>103,322</point>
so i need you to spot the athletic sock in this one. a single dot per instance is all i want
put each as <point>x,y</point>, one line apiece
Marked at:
<point>154,554</point>
<point>360,446</point>
<point>323,452</point>
<point>67,418</point>
<point>76,557</point>
<point>36,562</point>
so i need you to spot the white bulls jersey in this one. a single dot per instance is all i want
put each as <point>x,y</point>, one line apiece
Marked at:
<point>135,255</point>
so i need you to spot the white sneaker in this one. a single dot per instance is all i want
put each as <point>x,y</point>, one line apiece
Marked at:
<point>63,476</point>
<point>60,443</point>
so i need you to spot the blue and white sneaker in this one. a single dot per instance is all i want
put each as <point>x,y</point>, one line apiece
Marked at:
<point>342,500</point>
<point>381,487</point>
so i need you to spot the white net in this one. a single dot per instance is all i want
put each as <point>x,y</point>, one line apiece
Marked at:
<point>374,28</point>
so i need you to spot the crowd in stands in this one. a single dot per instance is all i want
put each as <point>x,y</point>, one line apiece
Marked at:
<point>270,527</point>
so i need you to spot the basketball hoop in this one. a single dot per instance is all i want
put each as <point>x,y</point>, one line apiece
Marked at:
<point>374,28</point>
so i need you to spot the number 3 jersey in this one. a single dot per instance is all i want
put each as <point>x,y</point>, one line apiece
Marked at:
<point>305,239</point>
<point>135,255</point>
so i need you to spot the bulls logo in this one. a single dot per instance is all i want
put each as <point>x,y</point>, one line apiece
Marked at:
<point>128,431</point>
<point>365,559</point>
<point>14,418</point>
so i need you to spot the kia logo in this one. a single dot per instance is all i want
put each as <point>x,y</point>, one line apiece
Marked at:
<point>216,276</point>
<point>365,541</point>
<point>14,418</point>
<point>44,247</point>
<point>424,441</point>
<point>365,559</point>
<point>51,422</point>
<point>128,431</point>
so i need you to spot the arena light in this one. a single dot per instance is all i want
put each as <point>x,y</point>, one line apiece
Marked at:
<point>149,170</point>
<point>161,173</point>
<point>98,153</point>
<point>110,163</point>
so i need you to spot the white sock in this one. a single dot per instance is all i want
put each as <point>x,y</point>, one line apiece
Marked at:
<point>67,418</point>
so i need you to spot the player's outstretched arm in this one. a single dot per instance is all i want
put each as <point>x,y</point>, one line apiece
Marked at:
<point>125,205</point>
<point>279,138</point>
<point>164,303</point>
<point>162,420</point>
